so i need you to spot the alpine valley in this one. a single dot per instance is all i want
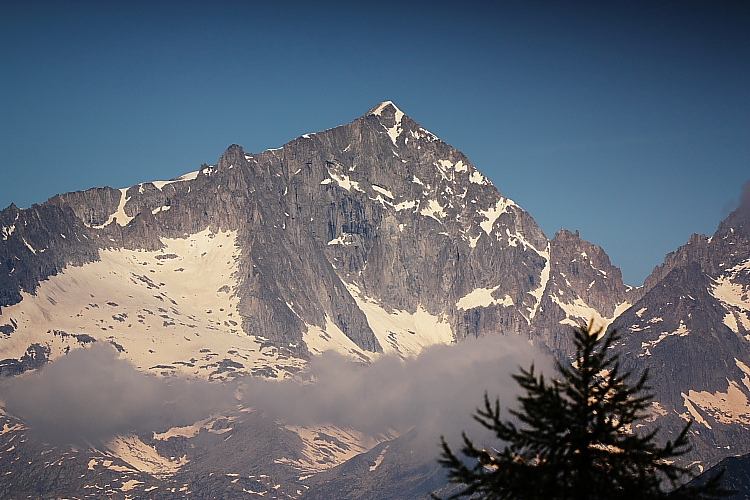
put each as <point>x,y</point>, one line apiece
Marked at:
<point>247,330</point>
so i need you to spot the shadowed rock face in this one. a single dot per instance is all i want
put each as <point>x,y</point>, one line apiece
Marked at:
<point>39,242</point>
<point>736,476</point>
<point>379,214</point>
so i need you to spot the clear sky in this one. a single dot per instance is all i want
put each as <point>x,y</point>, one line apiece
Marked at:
<point>629,121</point>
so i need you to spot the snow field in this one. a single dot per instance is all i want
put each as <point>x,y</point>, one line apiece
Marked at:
<point>326,446</point>
<point>142,302</point>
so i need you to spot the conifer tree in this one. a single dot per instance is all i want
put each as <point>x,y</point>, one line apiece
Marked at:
<point>574,438</point>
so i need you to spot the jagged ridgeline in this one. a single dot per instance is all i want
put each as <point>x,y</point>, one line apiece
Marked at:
<point>376,214</point>
<point>368,239</point>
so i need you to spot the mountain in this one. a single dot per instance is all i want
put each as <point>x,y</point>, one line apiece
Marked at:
<point>690,330</point>
<point>736,476</point>
<point>374,218</point>
<point>374,240</point>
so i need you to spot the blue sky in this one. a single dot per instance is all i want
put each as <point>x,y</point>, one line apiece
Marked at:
<point>629,121</point>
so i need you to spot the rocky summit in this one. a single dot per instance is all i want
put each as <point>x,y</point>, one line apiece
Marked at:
<point>374,240</point>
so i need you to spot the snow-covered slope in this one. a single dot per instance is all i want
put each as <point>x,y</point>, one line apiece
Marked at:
<point>171,311</point>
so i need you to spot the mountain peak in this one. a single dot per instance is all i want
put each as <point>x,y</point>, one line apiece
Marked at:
<point>390,117</point>
<point>387,106</point>
<point>566,235</point>
<point>234,155</point>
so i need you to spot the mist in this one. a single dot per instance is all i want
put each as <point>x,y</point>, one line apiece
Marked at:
<point>745,197</point>
<point>92,395</point>
<point>433,394</point>
<point>741,206</point>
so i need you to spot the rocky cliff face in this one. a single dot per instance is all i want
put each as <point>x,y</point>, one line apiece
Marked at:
<point>583,286</point>
<point>377,210</point>
<point>37,243</point>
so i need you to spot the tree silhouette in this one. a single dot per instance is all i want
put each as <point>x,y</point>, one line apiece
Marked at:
<point>574,438</point>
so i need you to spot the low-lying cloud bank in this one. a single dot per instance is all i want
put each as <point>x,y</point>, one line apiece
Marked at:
<point>91,394</point>
<point>436,393</point>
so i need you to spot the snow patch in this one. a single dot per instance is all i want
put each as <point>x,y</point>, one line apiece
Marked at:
<point>734,295</point>
<point>730,407</point>
<point>7,231</point>
<point>543,280</point>
<point>119,215</point>
<point>11,428</point>
<point>681,331</point>
<point>345,182</point>
<point>482,297</point>
<point>742,366</point>
<point>403,332</point>
<point>382,191</point>
<point>186,177</point>
<point>32,249</point>
<point>443,166</point>
<point>379,459</point>
<point>380,107</point>
<point>190,431</point>
<point>477,178</point>
<point>434,210</point>
<point>492,213</point>
<point>130,484</point>
<point>578,312</point>
<point>421,133</point>
<point>621,308</point>
<point>344,239</point>
<point>142,457</point>
<point>731,322</point>
<point>405,205</point>
<point>331,338</point>
<point>326,446</point>
<point>746,372</point>
<point>395,130</point>
<point>693,411</point>
<point>161,209</point>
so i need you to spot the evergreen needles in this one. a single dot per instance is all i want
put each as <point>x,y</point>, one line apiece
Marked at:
<point>574,438</point>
